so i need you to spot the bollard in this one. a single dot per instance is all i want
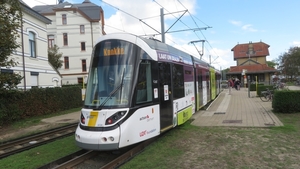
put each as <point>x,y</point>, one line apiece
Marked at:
<point>249,86</point>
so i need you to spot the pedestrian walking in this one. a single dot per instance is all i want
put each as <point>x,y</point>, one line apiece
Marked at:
<point>237,84</point>
<point>230,85</point>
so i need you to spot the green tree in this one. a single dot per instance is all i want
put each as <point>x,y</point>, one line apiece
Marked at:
<point>271,64</point>
<point>224,73</point>
<point>10,22</point>
<point>289,62</point>
<point>54,57</point>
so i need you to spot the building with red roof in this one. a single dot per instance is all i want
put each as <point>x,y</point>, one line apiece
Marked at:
<point>251,61</point>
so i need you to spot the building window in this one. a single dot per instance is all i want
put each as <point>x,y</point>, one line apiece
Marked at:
<point>66,62</point>
<point>82,46</point>
<point>83,63</point>
<point>32,44</point>
<point>64,19</point>
<point>65,35</point>
<point>82,29</point>
<point>8,71</point>
<point>50,41</point>
<point>34,78</point>
<point>79,80</point>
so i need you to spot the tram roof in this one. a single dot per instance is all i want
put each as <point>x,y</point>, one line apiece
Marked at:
<point>200,63</point>
<point>160,51</point>
<point>168,53</point>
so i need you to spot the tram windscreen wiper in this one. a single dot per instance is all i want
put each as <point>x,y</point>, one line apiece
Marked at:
<point>113,92</point>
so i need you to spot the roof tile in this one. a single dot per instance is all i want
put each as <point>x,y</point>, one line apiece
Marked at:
<point>241,50</point>
<point>257,68</point>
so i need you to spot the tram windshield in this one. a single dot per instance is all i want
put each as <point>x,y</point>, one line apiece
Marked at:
<point>111,73</point>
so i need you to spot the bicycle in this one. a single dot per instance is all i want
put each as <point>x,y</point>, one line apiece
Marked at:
<point>266,95</point>
<point>280,86</point>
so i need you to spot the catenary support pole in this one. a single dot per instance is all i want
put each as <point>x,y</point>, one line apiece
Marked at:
<point>162,25</point>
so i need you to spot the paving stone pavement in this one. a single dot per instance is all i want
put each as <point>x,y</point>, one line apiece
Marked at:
<point>240,108</point>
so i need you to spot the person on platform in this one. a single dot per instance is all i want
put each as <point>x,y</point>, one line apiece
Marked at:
<point>230,85</point>
<point>237,84</point>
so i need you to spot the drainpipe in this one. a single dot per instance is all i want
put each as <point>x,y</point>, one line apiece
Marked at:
<point>23,57</point>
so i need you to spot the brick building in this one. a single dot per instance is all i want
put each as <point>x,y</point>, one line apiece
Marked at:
<point>251,61</point>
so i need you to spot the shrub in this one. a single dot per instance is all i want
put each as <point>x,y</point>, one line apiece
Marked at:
<point>286,101</point>
<point>261,88</point>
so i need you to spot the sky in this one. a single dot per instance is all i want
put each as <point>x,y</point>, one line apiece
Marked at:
<point>221,24</point>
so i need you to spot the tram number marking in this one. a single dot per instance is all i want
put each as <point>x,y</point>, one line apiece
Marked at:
<point>90,117</point>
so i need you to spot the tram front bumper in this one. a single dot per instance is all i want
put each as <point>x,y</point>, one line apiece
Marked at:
<point>97,140</point>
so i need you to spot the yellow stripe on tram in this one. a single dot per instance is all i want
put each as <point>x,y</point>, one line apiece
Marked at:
<point>93,119</point>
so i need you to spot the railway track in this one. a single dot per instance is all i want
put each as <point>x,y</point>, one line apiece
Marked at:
<point>25,143</point>
<point>98,159</point>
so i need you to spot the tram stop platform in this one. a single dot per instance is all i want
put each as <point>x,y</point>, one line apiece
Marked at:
<point>240,108</point>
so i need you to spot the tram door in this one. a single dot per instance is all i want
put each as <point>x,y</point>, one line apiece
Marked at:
<point>166,96</point>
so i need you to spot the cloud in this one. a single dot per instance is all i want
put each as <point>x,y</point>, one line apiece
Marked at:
<point>245,27</point>
<point>249,28</point>
<point>33,3</point>
<point>296,43</point>
<point>223,60</point>
<point>144,17</point>
<point>236,23</point>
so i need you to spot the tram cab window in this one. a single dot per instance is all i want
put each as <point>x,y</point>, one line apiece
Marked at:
<point>144,83</point>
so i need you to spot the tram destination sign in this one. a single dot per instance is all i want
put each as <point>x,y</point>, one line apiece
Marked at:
<point>163,56</point>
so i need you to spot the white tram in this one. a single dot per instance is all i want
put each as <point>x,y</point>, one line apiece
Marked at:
<point>138,88</point>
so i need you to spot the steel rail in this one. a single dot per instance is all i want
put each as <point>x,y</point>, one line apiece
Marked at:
<point>25,143</point>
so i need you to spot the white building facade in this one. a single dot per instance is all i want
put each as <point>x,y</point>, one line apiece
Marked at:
<point>75,29</point>
<point>32,55</point>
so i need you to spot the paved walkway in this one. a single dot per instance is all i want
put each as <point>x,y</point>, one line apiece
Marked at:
<point>240,108</point>
<point>66,118</point>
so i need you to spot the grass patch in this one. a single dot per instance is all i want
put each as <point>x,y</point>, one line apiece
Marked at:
<point>41,155</point>
<point>189,146</point>
<point>27,126</point>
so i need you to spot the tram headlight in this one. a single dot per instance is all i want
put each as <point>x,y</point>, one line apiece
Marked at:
<point>111,138</point>
<point>115,117</point>
<point>122,113</point>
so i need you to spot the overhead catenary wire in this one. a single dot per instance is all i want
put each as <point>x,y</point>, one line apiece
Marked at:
<point>130,15</point>
<point>187,25</point>
<point>200,31</point>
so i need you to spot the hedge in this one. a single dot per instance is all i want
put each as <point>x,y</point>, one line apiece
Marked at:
<point>16,105</point>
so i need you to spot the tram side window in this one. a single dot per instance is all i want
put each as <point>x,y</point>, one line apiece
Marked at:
<point>144,83</point>
<point>178,81</point>
<point>200,85</point>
